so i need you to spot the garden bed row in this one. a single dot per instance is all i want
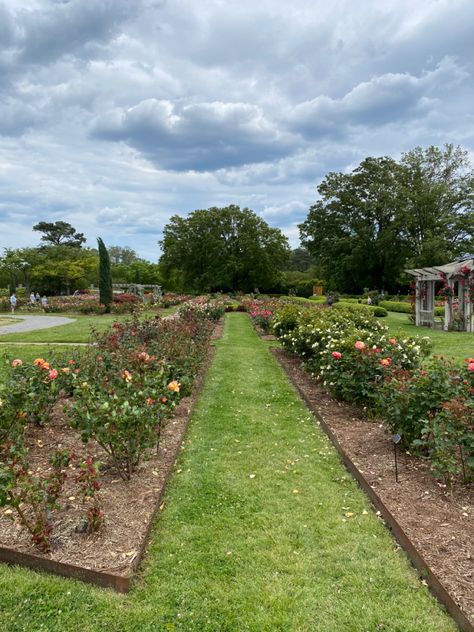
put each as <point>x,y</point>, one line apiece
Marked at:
<point>110,555</point>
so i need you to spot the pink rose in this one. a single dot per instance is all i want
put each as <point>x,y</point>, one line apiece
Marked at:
<point>17,362</point>
<point>470,367</point>
<point>359,345</point>
<point>53,374</point>
<point>337,355</point>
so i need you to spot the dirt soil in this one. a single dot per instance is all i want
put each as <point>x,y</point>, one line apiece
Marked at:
<point>439,521</point>
<point>129,506</point>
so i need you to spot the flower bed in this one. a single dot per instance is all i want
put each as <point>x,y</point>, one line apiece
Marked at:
<point>89,500</point>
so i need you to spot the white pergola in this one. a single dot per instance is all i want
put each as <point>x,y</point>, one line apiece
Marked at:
<point>458,278</point>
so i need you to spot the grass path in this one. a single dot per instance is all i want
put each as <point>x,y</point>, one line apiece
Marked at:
<point>262,530</point>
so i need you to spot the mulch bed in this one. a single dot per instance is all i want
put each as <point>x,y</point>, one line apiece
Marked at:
<point>129,506</point>
<point>438,520</point>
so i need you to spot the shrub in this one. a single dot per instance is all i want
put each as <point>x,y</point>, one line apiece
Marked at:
<point>408,398</point>
<point>405,308</point>
<point>355,366</point>
<point>32,497</point>
<point>125,298</point>
<point>326,338</point>
<point>123,409</point>
<point>448,437</point>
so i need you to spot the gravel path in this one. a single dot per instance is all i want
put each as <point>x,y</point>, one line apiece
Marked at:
<point>30,323</point>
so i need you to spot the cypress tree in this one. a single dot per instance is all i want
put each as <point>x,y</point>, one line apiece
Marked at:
<point>105,277</point>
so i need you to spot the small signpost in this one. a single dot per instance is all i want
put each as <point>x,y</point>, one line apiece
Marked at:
<point>396,440</point>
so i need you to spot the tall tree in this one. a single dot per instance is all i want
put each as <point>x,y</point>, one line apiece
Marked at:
<point>300,260</point>
<point>105,277</point>
<point>59,234</point>
<point>222,249</point>
<point>353,231</point>
<point>438,218</point>
<point>384,216</point>
<point>122,255</point>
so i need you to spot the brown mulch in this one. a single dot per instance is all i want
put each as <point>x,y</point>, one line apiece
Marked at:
<point>438,520</point>
<point>129,506</point>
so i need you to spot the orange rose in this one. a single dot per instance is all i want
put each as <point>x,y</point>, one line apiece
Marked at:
<point>173,386</point>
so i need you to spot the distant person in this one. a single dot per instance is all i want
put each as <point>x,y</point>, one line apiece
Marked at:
<point>369,301</point>
<point>44,302</point>
<point>330,300</point>
<point>38,297</point>
<point>13,301</point>
<point>32,298</point>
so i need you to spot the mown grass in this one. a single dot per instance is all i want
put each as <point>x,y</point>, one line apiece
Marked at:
<point>459,345</point>
<point>28,353</point>
<point>8,321</point>
<point>77,331</point>
<point>262,530</point>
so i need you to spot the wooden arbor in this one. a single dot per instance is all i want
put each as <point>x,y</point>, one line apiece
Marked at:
<point>456,280</point>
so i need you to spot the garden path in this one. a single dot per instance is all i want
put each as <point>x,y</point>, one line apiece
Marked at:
<point>30,323</point>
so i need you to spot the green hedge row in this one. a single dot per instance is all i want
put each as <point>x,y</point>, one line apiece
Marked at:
<point>405,308</point>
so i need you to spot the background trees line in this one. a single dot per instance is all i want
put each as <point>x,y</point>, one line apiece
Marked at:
<point>365,228</point>
<point>61,264</point>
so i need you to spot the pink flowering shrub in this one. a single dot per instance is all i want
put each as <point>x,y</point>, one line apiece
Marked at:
<point>432,408</point>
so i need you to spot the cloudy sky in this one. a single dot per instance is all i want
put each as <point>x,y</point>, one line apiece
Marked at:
<point>117,114</point>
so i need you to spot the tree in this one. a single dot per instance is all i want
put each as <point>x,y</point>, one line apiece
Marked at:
<point>122,255</point>
<point>353,231</point>
<point>385,216</point>
<point>61,269</point>
<point>105,277</point>
<point>300,260</point>
<point>222,249</point>
<point>60,234</point>
<point>15,264</point>
<point>438,218</point>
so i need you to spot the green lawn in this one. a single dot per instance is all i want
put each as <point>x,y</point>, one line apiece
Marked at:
<point>449,343</point>
<point>78,331</point>
<point>263,530</point>
<point>8,321</point>
<point>28,353</point>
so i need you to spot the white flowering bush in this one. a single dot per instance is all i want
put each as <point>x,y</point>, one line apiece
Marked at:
<point>349,351</point>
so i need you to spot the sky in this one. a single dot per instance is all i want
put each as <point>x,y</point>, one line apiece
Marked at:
<point>117,114</point>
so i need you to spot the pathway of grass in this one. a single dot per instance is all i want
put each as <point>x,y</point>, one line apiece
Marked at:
<point>262,530</point>
<point>449,343</point>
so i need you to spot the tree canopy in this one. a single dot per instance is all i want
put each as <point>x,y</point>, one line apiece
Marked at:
<point>122,255</point>
<point>59,234</point>
<point>226,249</point>
<point>371,223</point>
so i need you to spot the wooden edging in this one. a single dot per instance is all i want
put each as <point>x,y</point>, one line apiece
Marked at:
<point>418,561</point>
<point>120,583</point>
